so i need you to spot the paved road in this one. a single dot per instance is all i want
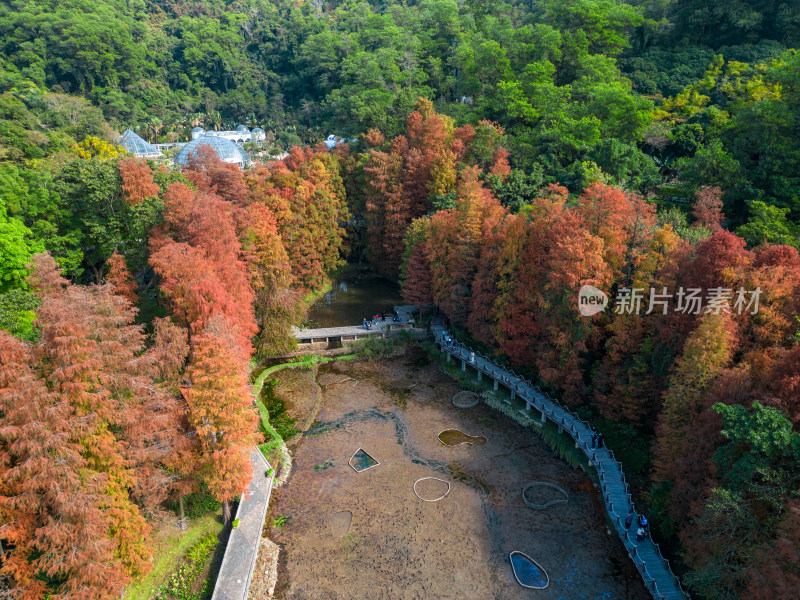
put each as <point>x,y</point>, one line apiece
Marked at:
<point>646,555</point>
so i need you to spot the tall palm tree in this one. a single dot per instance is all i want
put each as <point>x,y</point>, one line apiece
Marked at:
<point>215,118</point>
<point>153,127</point>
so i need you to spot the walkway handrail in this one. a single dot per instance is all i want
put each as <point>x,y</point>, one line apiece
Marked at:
<point>646,555</point>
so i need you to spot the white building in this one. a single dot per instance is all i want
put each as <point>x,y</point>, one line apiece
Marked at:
<point>242,135</point>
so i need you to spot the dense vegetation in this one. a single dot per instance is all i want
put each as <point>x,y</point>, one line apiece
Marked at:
<point>502,155</point>
<point>711,386</point>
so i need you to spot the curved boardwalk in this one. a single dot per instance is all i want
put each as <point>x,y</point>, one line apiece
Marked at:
<point>646,555</point>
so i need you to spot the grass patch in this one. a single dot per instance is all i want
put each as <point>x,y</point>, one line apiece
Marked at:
<point>281,521</point>
<point>170,548</point>
<point>274,448</point>
<point>184,582</point>
<point>276,408</point>
<point>381,347</point>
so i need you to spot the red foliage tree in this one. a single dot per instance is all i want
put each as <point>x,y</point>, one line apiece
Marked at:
<point>784,384</point>
<point>167,355</point>
<point>417,289</point>
<point>44,505</point>
<point>121,279</point>
<point>385,195</point>
<point>214,176</point>
<point>776,572</point>
<point>705,355</point>
<point>719,261</point>
<point>221,411</point>
<point>374,138</point>
<point>623,221</point>
<point>277,305</point>
<point>305,193</point>
<point>455,242</point>
<point>542,266</point>
<point>137,181</point>
<point>707,208</point>
<point>88,451</point>
<point>500,166</point>
<point>197,256</point>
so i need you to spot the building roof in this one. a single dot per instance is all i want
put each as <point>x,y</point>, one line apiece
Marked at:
<point>226,150</point>
<point>137,146</point>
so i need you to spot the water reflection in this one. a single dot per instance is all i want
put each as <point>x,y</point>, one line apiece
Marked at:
<point>354,297</point>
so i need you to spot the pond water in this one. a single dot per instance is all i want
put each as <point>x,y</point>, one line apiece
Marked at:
<point>528,573</point>
<point>361,461</point>
<point>454,437</point>
<point>354,296</point>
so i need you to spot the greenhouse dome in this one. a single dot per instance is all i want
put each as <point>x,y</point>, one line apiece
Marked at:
<point>259,135</point>
<point>198,132</point>
<point>135,145</point>
<point>242,129</point>
<point>226,150</point>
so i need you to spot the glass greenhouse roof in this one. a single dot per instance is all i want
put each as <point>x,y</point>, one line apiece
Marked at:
<point>226,150</point>
<point>137,146</point>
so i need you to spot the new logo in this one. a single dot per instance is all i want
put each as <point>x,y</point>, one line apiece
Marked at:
<point>591,300</point>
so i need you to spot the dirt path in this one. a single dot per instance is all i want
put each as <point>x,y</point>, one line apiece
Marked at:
<point>398,547</point>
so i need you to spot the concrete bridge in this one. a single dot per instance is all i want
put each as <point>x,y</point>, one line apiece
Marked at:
<point>333,337</point>
<point>646,555</point>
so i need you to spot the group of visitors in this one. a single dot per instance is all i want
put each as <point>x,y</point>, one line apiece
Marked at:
<point>370,323</point>
<point>644,526</point>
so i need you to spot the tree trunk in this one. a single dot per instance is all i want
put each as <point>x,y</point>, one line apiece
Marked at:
<point>182,522</point>
<point>226,512</point>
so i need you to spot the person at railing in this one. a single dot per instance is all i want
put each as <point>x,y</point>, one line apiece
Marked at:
<point>628,520</point>
<point>640,534</point>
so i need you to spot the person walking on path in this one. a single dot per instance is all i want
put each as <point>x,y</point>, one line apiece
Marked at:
<point>628,520</point>
<point>600,440</point>
<point>594,439</point>
<point>640,533</point>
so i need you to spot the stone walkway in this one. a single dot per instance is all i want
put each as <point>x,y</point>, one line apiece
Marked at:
<point>233,581</point>
<point>646,555</point>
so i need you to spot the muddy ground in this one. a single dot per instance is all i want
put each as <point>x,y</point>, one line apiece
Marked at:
<point>394,546</point>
